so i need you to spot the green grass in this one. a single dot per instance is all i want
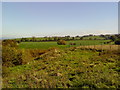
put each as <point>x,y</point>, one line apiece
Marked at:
<point>66,68</point>
<point>93,37</point>
<point>46,45</point>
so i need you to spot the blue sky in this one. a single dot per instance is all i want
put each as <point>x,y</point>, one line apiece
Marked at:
<point>27,19</point>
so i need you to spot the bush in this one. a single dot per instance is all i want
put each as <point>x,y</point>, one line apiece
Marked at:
<point>117,42</point>
<point>9,56</point>
<point>12,56</point>
<point>10,43</point>
<point>113,38</point>
<point>24,56</point>
<point>36,52</point>
<point>61,42</point>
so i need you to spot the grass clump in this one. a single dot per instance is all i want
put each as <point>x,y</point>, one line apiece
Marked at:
<point>68,68</point>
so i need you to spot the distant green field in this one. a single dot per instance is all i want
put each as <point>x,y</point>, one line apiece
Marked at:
<point>46,45</point>
<point>94,37</point>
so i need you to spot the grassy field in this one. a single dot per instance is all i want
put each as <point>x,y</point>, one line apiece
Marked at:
<point>69,68</point>
<point>89,65</point>
<point>46,45</point>
<point>102,47</point>
<point>94,37</point>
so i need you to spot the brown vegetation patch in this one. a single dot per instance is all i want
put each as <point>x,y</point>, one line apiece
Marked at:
<point>101,47</point>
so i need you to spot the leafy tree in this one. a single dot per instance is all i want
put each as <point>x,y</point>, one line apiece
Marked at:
<point>113,38</point>
<point>102,35</point>
<point>67,37</point>
<point>90,38</point>
<point>117,42</point>
<point>33,39</point>
<point>73,38</point>
<point>55,38</point>
<point>107,37</point>
<point>24,39</point>
<point>90,34</point>
<point>81,38</point>
<point>95,38</point>
<point>77,36</point>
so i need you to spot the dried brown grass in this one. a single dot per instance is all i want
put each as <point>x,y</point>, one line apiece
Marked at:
<point>101,47</point>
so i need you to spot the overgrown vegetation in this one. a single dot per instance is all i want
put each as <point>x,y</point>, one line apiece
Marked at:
<point>117,42</point>
<point>69,38</point>
<point>66,69</point>
<point>61,42</point>
<point>77,66</point>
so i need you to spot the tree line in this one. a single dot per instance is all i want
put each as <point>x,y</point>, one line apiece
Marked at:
<point>114,38</point>
<point>68,38</point>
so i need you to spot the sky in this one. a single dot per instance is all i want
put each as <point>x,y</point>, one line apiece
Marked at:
<point>27,19</point>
